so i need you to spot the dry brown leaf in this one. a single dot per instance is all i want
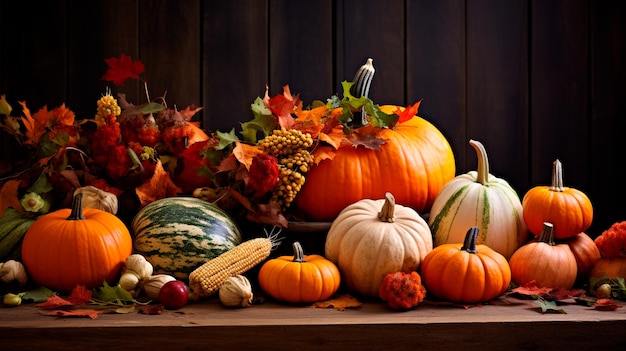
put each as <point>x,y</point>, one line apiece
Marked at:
<point>341,302</point>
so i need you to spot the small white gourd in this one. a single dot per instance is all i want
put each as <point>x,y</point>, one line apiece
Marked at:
<point>236,291</point>
<point>97,198</point>
<point>13,271</point>
<point>152,286</point>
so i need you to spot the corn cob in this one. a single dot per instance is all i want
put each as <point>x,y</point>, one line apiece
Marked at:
<point>207,279</point>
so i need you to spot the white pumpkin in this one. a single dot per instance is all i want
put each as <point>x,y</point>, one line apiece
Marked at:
<point>371,238</point>
<point>479,199</point>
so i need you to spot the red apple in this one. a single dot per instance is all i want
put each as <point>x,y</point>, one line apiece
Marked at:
<point>174,294</point>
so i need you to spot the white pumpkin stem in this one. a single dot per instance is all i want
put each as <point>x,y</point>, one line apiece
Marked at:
<point>387,212</point>
<point>547,233</point>
<point>557,176</point>
<point>482,175</point>
<point>298,252</point>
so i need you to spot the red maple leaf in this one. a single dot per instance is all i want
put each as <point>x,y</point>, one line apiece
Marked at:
<point>408,112</point>
<point>122,69</point>
<point>9,196</point>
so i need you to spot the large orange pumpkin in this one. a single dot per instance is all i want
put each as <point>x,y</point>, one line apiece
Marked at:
<point>77,246</point>
<point>568,209</point>
<point>415,162</point>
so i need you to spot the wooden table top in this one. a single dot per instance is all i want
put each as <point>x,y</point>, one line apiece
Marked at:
<point>207,325</point>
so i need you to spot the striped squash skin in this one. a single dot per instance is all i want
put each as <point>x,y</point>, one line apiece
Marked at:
<point>179,234</point>
<point>494,208</point>
<point>13,226</point>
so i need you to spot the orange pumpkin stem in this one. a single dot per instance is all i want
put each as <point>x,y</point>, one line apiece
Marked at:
<point>557,176</point>
<point>77,208</point>
<point>482,172</point>
<point>547,234</point>
<point>469,244</point>
<point>298,252</point>
<point>387,212</point>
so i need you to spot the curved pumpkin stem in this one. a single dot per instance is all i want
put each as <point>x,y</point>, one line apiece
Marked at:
<point>77,208</point>
<point>298,252</point>
<point>469,244</point>
<point>482,175</point>
<point>547,233</point>
<point>387,212</point>
<point>557,176</point>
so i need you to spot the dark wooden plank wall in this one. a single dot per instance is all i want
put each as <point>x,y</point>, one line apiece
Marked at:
<point>533,80</point>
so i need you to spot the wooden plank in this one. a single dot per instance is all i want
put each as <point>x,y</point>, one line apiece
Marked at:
<point>282,327</point>
<point>559,88</point>
<point>172,57</point>
<point>435,49</point>
<point>301,48</point>
<point>234,60</point>
<point>109,28</point>
<point>497,85</point>
<point>607,148</point>
<point>373,29</point>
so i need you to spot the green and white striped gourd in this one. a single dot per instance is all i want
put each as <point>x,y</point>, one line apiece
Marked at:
<point>480,199</point>
<point>13,226</point>
<point>179,234</point>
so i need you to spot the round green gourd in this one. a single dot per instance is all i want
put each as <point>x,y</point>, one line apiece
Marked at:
<point>480,199</point>
<point>13,226</point>
<point>179,234</point>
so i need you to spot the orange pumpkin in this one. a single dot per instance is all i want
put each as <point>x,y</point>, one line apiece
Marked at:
<point>609,267</point>
<point>586,253</point>
<point>465,273</point>
<point>568,209</point>
<point>299,278</point>
<point>550,265</point>
<point>414,164</point>
<point>76,246</point>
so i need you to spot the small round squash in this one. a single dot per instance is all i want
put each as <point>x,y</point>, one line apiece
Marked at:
<point>372,238</point>
<point>299,278</point>
<point>568,209</point>
<point>550,265</point>
<point>77,246</point>
<point>465,273</point>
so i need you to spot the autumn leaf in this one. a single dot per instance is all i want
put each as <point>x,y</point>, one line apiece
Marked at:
<point>340,303</point>
<point>35,124</point>
<point>157,187</point>
<point>93,314</point>
<point>9,197</point>
<point>548,306</point>
<point>606,305</point>
<point>122,69</point>
<point>531,289</point>
<point>80,295</point>
<point>407,113</point>
<point>53,302</point>
<point>244,153</point>
<point>282,106</point>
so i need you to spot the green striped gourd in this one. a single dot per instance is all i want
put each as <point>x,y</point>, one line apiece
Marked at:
<point>13,226</point>
<point>179,234</point>
<point>479,199</point>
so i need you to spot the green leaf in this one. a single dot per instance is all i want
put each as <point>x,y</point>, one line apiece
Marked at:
<point>116,295</point>
<point>151,107</point>
<point>226,139</point>
<point>38,295</point>
<point>548,306</point>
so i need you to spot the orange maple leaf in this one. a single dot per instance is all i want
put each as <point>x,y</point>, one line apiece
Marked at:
<point>244,153</point>
<point>157,187</point>
<point>35,124</point>
<point>9,197</point>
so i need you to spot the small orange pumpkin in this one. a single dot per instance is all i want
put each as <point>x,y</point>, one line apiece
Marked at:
<point>550,265</point>
<point>465,273</point>
<point>76,246</point>
<point>299,278</point>
<point>568,209</point>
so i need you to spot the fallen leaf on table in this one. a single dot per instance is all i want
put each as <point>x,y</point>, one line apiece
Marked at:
<point>340,303</point>
<point>93,314</point>
<point>606,305</point>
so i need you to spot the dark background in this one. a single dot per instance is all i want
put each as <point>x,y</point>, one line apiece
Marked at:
<point>532,80</point>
